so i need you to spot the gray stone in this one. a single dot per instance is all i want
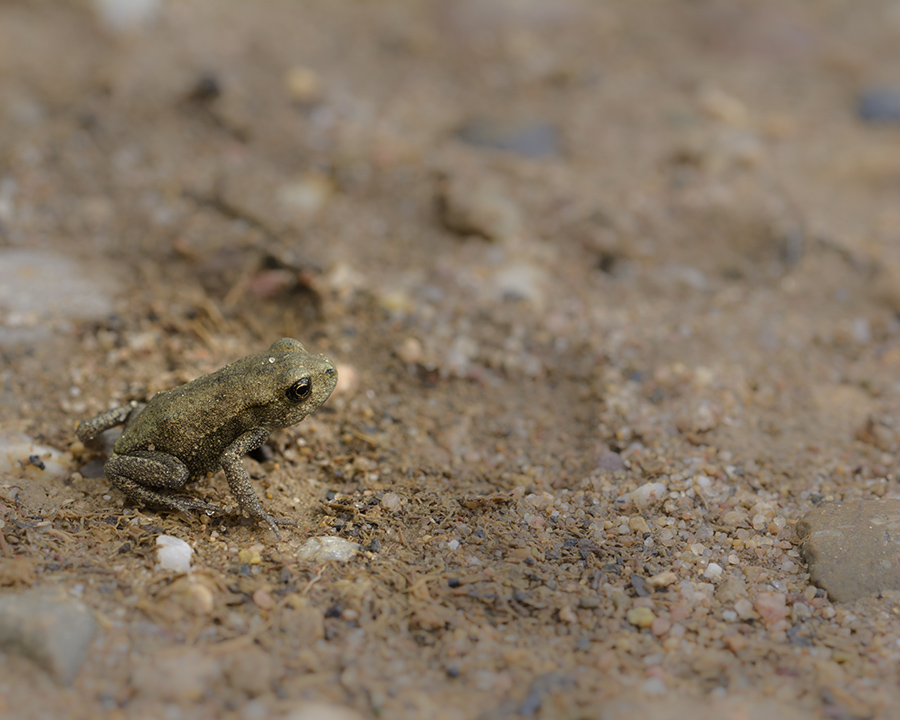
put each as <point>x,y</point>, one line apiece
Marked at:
<point>39,290</point>
<point>53,631</point>
<point>853,548</point>
<point>532,140</point>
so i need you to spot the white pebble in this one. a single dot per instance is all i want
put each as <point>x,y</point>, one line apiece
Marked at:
<point>126,15</point>
<point>173,553</point>
<point>318,550</point>
<point>391,501</point>
<point>647,493</point>
<point>713,571</point>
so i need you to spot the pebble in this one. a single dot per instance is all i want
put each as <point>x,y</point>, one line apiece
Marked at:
<point>127,15</point>
<point>641,617</point>
<point>853,548</point>
<point>521,281</point>
<point>302,84</point>
<point>307,196</point>
<point>478,206</point>
<point>771,607</point>
<point>723,106</point>
<point>610,461</point>
<point>663,579</point>
<point>660,626</point>
<point>173,553</point>
<point>22,457</point>
<point>319,550</point>
<point>735,705</point>
<point>250,670</point>
<point>348,380</point>
<point>879,106</point>
<point>646,494</point>
<point>322,711</point>
<point>55,632</point>
<point>184,676</point>
<point>410,351</point>
<point>637,524</point>
<point>391,501</point>
<point>532,140</point>
<point>263,599</point>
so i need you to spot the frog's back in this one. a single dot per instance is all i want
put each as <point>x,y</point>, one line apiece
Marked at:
<point>195,422</point>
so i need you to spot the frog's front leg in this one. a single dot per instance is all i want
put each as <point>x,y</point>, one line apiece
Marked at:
<point>139,473</point>
<point>87,430</point>
<point>239,480</point>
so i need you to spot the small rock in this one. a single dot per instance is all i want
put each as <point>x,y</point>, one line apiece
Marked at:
<point>610,461</point>
<point>713,571</point>
<point>410,351</point>
<point>732,590</point>
<point>853,548</point>
<point>263,599</point>
<point>184,676</point>
<point>477,206</point>
<point>637,524</point>
<point>641,617</point>
<point>54,632</point>
<point>307,196</point>
<point>735,518</point>
<point>744,609</point>
<point>302,84</point>
<point>37,287</point>
<point>646,494</point>
<point>250,670</point>
<point>723,107</point>
<point>771,607</point>
<point>321,711</point>
<point>319,550</point>
<point>173,553</point>
<point>663,579</point>
<point>527,139</point>
<point>17,570</point>
<point>348,380</point>
<point>521,281</point>
<point>127,15</point>
<point>660,626</point>
<point>879,106</point>
<point>391,501</point>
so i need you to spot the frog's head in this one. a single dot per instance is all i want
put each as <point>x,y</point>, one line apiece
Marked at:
<point>301,382</point>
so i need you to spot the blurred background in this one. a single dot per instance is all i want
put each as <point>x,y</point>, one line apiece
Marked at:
<point>634,264</point>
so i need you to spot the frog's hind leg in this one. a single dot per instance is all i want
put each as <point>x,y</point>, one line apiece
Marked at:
<point>139,474</point>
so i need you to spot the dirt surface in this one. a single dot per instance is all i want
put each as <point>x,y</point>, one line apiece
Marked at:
<point>613,290</point>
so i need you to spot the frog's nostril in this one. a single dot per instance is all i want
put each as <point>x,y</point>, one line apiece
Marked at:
<point>329,371</point>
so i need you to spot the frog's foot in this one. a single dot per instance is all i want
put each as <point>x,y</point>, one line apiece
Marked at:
<point>261,515</point>
<point>144,496</point>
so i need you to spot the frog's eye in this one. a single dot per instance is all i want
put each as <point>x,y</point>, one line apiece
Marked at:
<point>300,390</point>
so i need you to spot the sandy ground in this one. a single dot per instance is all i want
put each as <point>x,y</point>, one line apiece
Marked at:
<point>613,288</point>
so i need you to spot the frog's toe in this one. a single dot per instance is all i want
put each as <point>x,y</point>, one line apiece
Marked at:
<point>274,522</point>
<point>285,521</point>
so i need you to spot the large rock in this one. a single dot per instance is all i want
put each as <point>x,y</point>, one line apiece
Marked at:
<point>54,631</point>
<point>853,548</point>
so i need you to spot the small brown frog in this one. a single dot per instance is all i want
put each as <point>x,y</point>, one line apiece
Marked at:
<point>210,422</point>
